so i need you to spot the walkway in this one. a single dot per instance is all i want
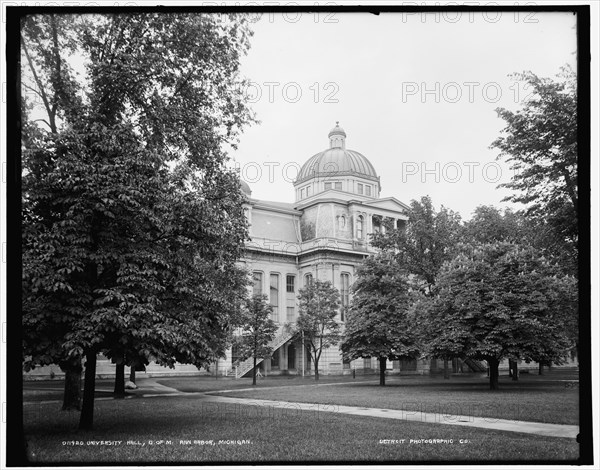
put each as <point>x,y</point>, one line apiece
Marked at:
<point>527,427</point>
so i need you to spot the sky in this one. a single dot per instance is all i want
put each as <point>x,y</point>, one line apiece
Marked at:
<point>415,93</point>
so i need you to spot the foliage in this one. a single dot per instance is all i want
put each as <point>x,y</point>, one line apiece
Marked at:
<point>540,143</point>
<point>377,324</point>
<point>132,225</point>
<point>425,244</point>
<point>258,330</point>
<point>500,300</point>
<point>318,305</point>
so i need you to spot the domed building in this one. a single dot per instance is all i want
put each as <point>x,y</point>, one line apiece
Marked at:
<point>323,235</point>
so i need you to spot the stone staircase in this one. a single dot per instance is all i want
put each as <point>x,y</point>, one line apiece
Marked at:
<point>246,366</point>
<point>475,366</point>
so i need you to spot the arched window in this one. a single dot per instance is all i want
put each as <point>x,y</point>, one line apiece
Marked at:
<point>342,222</point>
<point>308,279</point>
<point>359,227</point>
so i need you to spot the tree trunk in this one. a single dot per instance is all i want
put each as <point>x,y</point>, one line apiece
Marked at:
<point>120,380</point>
<point>316,361</point>
<point>86,421</point>
<point>515,371</point>
<point>446,371</point>
<point>72,392</point>
<point>132,374</point>
<point>493,363</point>
<point>254,372</point>
<point>382,364</point>
<point>541,368</point>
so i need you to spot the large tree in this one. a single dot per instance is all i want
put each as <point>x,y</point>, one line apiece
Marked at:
<point>421,247</point>
<point>318,305</point>
<point>500,300</point>
<point>377,323</point>
<point>425,243</point>
<point>132,224</point>
<point>540,143</point>
<point>258,330</point>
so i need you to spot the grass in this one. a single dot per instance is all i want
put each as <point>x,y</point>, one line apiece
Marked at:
<point>273,435</point>
<point>529,399</point>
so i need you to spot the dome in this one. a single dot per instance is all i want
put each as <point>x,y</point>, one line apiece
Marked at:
<point>337,161</point>
<point>245,188</point>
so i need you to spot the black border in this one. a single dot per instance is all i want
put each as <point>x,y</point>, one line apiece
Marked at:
<point>15,439</point>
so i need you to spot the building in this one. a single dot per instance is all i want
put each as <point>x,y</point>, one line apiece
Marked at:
<point>323,235</point>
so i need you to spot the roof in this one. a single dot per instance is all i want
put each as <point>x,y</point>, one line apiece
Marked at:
<point>337,162</point>
<point>274,226</point>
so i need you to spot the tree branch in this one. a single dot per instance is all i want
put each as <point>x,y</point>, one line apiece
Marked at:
<point>41,92</point>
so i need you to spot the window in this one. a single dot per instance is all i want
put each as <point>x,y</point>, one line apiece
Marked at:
<point>258,280</point>
<point>359,227</point>
<point>376,224</point>
<point>290,314</point>
<point>274,296</point>
<point>346,364</point>
<point>327,186</point>
<point>367,363</point>
<point>338,185</point>
<point>345,293</point>
<point>308,279</point>
<point>308,191</point>
<point>289,283</point>
<point>342,222</point>
<point>360,188</point>
<point>302,193</point>
<point>367,190</point>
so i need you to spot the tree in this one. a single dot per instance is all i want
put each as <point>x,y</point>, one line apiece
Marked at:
<point>500,300</point>
<point>490,225</point>
<point>429,239</point>
<point>425,244</point>
<point>319,303</point>
<point>540,143</point>
<point>377,323</point>
<point>132,224</point>
<point>258,331</point>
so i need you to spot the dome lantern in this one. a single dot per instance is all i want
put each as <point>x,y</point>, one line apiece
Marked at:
<point>337,137</point>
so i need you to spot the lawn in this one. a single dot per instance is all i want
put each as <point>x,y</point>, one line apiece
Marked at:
<point>186,429</point>
<point>541,399</point>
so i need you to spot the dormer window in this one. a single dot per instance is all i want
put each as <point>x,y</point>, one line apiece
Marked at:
<point>367,190</point>
<point>327,186</point>
<point>360,188</point>
<point>302,193</point>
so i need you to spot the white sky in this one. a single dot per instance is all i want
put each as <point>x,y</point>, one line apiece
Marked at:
<point>371,73</point>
